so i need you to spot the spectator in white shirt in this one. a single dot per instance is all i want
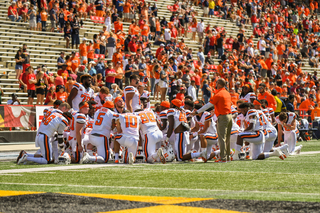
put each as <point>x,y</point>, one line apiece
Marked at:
<point>262,46</point>
<point>14,100</point>
<point>250,50</point>
<point>167,34</point>
<point>200,29</point>
<point>192,90</point>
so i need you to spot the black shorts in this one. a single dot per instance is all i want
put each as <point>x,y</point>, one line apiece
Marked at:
<point>31,93</point>
<point>153,29</point>
<point>75,39</point>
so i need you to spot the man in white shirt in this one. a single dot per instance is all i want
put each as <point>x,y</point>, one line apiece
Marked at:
<point>262,46</point>
<point>192,90</point>
<point>200,29</point>
<point>250,50</point>
<point>167,34</point>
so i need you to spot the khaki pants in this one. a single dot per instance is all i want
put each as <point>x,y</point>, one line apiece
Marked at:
<point>224,126</point>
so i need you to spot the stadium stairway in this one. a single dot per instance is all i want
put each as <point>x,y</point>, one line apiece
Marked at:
<point>44,47</point>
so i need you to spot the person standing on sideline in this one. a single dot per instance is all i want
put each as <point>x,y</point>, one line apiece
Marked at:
<point>222,105</point>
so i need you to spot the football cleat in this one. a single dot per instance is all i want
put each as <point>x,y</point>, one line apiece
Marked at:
<point>279,154</point>
<point>161,156</point>
<point>85,158</point>
<point>236,155</point>
<point>286,151</point>
<point>203,156</point>
<point>23,159</point>
<point>22,152</point>
<point>131,158</point>
<point>299,150</point>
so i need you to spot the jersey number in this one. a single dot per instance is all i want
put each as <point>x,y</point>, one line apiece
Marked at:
<point>182,117</point>
<point>131,121</point>
<point>47,120</point>
<point>147,117</point>
<point>85,97</point>
<point>72,124</point>
<point>99,118</point>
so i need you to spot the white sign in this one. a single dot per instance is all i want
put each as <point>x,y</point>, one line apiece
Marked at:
<point>39,114</point>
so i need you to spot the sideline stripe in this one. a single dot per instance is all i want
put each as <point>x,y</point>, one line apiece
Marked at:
<point>4,193</point>
<point>172,189</point>
<point>175,209</point>
<point>146,199</point>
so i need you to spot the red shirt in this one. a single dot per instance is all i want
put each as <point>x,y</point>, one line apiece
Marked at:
<point>14,10</point>
<point>31,77</point>
<point>23,78</point>
<point>110,79</point>
<point>132,46</point>
<point>197,80</point>
<point>53,96</point>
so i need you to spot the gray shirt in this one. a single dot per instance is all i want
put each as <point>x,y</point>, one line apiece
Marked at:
<point>111,42</point>
<point>163,73</point>
<point>186,80</point>
<point>32,14</point>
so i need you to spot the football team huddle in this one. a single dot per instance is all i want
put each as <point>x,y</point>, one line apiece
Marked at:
<point>92,128</point>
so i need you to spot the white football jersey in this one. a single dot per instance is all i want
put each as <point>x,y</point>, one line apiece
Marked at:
<point>201,120</point>
<point>130,124</point>
<point>178,116</point>
<point>83,95</point>
<point>136,104</point>
<point>264,119</point>
<point>271,112</point>
<point>148,121</point>
<point>258,125</point>
<point>247,97</point>
<point>192,120</point>
<point>103,121</point>
<point>80,118</point>
<point>240,121</point>
<point>291,117</point>
<point>163,116</point>
<point>98,100</point>
<point>55,122</point>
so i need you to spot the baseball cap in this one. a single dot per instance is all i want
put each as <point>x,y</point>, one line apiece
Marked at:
<point>162,45</point>
<point>117,99</point>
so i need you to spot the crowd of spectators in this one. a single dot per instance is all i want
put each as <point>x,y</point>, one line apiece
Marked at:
<point>276,41</point>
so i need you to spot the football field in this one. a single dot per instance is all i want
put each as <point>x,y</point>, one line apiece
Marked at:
<point>271,185</point>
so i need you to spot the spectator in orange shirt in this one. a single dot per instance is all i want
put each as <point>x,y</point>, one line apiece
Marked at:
<point>44,17</point>
<point>234,96</point>
<point>90,51</point>
<point>83,51</point>
<point>117,56</point>
<point>267,96</point>
<point>61,94</point>
<point>118,26</point>
<point>75,62</point>
<point>145,30</point>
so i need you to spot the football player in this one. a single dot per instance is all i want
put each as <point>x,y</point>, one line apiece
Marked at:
<point>119,105</point>
<point>100,135</point>
<point>151,135</point>
<point>287,125</point>
<point>128,126</point>
<point>101,97</point>
<point>77,128</point>
<point>132,95</point>
<point>178,125</point>
<point>272,132</point>
<point>254,135</point>
<point>247,94</point>
<point>56,122</point>
<point>81,92</point>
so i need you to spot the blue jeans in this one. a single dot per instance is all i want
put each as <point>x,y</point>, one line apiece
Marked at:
<point>197,90</point>
<point>108,85</point>
<point>206,98</point>
<point>153,81</point>
<point>14,18</point>
<point>220,52</point>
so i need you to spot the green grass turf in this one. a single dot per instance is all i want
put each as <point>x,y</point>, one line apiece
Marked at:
<point>295,179</point>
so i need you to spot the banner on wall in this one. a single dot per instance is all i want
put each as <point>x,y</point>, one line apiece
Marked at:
<point>17,116</point>
<point>39,114</point>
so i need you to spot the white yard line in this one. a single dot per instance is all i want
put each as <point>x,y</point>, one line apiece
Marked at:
<point>156,188</point>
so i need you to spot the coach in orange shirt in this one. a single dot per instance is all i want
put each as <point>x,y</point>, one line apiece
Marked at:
<point>267,96</point>
<point>222,104</point>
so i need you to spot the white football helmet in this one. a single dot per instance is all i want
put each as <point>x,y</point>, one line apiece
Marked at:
<point>64,158</point>
<point>168,153</point>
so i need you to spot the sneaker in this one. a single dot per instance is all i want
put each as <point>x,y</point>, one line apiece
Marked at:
<point>22,152</point>
<point>203,156</point>
<point>279,154</point>
<point>85,158</point>
<point>22,159</point>
<point>131,158</point>
<point>161,156</point>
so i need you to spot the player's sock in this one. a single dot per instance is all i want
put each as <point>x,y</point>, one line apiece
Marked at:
<point>97,159</point>
<point>37,160</point>
<point>30,155</point>
<point>116,156</point>
<point>267,154</point>
<point>195,155</point>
